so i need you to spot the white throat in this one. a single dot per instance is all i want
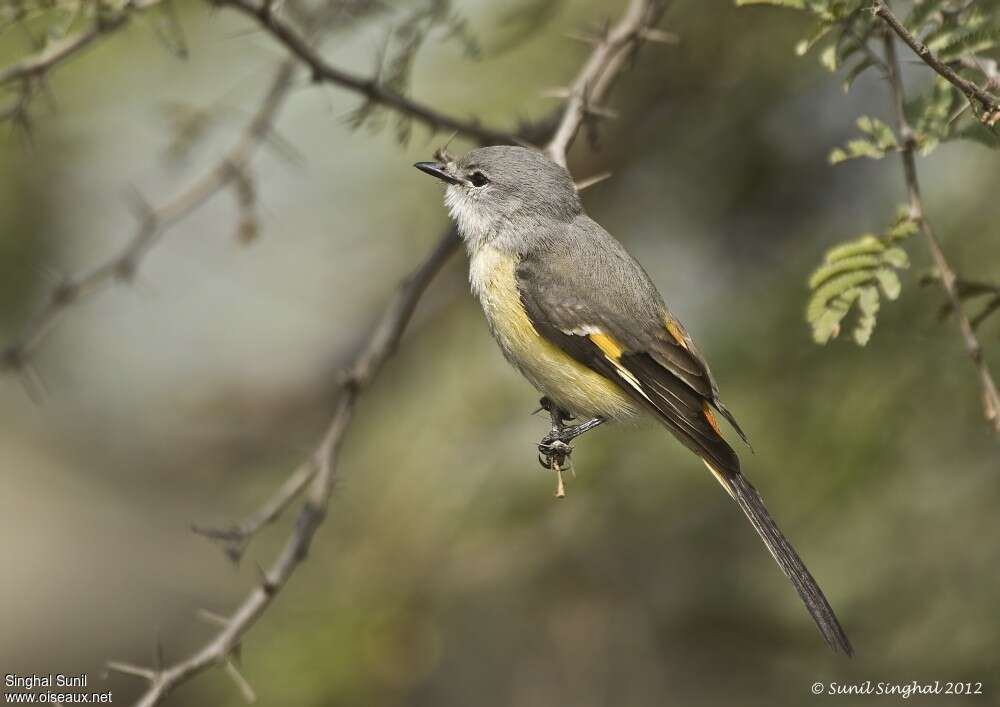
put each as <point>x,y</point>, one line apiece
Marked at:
<point>473,221</point>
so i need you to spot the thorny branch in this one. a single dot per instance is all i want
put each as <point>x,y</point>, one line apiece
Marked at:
<point>989,105</point>
<point>32,71</point>
<point>370,88</point>
<point>154,223</point>
<point>969,290</point>
<point>594,82</point>
<point>381,344</point>
<point>316,478</point>
<point>231,171</point>
<point>61,50</point>
<point>990,396</point>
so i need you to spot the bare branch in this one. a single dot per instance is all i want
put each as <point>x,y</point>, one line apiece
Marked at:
<point>316,478</point>
<point>154,223</point>
<point>236,538</point>
<point>595,80</point>
<point>58,51</point>
<point>990,396</point>
<point>241,682</point>
<point>129,669</point>
<point>969,290</point>
<point>381,344</point>
<point>989,104</point>
<point>370,88</point>
<point>588,182</point>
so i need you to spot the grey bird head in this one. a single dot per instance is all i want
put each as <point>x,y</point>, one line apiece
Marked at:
<point>504,196</point>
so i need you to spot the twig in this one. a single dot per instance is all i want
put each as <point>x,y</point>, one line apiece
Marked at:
<point>237,537</point>
<point>989,68</point>
<point>986,312</point>
<point>990,396</point>
<point>370,88</point>
<point>153,225</point>
<point>58,51</point>
<point>990,104</point>
<point>381,344</point>
<point>970,290</point>
<point>594,82</point>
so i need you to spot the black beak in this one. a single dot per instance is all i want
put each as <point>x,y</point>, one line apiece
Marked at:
<point>436,170</point>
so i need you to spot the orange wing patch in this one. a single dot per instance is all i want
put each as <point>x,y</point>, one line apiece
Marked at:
<point>710,416</point>
<point>611,348</point>
<point>675,331</point>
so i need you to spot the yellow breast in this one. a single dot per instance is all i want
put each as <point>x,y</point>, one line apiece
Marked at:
<point>569,384</point>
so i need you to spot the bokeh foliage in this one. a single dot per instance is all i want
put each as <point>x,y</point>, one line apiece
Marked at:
<point>846,35</point>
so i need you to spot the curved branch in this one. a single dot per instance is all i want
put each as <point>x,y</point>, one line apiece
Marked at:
<point>154,224</point>
<point>381,344</point>
<point>990,395</point>
<point>595,80</point>
<point>370,88</point>
<point>989,103</point>
<point>317,483</point>
<point>61,50</point>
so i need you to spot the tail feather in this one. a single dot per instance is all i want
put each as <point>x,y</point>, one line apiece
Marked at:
<point>788,560</point>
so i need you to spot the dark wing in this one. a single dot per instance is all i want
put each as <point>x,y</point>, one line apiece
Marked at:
<point>638,345</point>
<point>610,318</point>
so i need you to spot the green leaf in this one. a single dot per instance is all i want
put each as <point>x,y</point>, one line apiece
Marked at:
<point>858,272</point>
<point>979,133</point>
<point>855,71</point>
<point>932,113</point>
<point>835,288</point>
<point>880,141</point>
<point>868,305</point>
<point>903,227</point>
<point>954,29</point>
<point>889,282</point>
<point>921,12</point>
<point>882,133</point>
<point>829,270</point>
<point>970,43</point>
<point>896,257</point>
<point>867,243</point>
<point>821,30</point>
<point>828,58</point>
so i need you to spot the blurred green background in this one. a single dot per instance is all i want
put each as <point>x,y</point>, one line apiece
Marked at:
<point>446,573</point>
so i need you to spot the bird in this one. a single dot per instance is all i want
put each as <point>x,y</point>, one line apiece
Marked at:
<point>583,322</point>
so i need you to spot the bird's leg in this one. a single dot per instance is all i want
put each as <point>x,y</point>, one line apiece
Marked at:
<point>554,449</point>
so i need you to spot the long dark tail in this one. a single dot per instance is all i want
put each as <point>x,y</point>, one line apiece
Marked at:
<point>788,560</point>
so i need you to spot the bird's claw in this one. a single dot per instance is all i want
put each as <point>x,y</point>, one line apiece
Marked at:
<point>554,449</point>
<point>553,453</point>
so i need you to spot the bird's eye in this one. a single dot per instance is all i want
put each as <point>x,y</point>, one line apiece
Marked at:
<point>479,179</point>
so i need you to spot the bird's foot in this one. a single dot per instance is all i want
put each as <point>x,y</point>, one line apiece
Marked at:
<point>553,454</point>
<point>554,450</point>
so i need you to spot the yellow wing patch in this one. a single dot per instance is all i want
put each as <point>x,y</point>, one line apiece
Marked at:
<point>675,331</point>
<point>569,383</point>
<point>720,478</point>
<point>611,348</point>
<point>613,352</point>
